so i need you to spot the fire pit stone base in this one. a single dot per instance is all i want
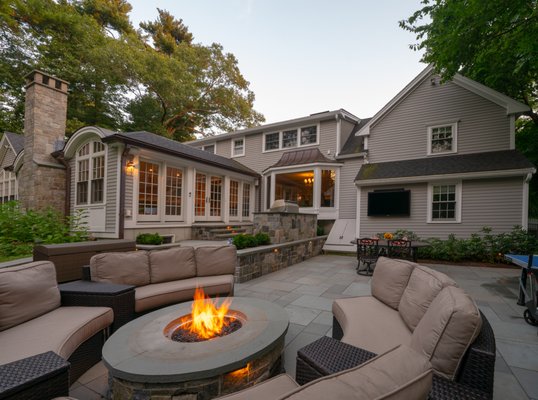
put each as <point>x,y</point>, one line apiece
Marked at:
<point>259,369</point>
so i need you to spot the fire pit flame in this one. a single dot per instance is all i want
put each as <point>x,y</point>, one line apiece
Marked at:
<point>206,320</point>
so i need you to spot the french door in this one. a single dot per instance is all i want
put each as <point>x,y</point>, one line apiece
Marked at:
<point>208,197</point>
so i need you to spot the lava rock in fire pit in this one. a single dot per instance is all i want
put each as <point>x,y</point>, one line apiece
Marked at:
<point>185,335</point>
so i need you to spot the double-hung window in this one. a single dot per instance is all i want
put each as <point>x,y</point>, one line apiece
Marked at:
<point>291,138</point>
<point>238,147</point>
<point>90,174</point>
<point>444,202</point>
<point>210,148</point>
<point>442,139</point>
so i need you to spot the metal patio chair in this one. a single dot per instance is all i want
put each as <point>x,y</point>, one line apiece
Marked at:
<point>400,248</point>
<point>367,254</point>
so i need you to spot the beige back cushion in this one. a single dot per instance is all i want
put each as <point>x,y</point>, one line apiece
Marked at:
<point>423,286</point>
<point>448,328</point>
<point>129,268</point>
<point>400,373</point>
<point>211,260</point>
<point>390,280</point>
<point>172,264</point>
<point>27,291</point>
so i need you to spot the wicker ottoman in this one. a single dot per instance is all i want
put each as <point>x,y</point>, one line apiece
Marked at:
<point>326,356</point>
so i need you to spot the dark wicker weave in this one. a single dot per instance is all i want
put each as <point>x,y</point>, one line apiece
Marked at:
<point>118,297</point>
<point>474,379</point>
<point>43,376</point>
<point>86,355</point>
<point>326,356</point>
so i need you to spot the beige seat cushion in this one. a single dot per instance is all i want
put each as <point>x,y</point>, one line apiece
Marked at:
<point>211,260</point>
<point>27,291</point>
<point>370,324</point>
<point>129,267</point>
<point>172,264</point>
<point>62,330</point>
<point>390,280</point>
<point>423,286</point>
<point>448,328</point>
<point>161,294</point>
<point>267,390</point>
<point>400,373</point>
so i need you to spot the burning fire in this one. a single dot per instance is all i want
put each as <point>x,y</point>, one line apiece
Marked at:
<point>206,320</point>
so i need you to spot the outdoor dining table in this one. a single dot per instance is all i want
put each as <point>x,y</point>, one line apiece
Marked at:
<point>383,245</point>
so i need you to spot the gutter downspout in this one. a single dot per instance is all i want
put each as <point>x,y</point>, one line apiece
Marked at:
<point>123,174</point>
<point>60,156</point>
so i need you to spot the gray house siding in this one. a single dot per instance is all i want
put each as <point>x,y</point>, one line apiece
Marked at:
<point>481,202</point>
<point>112,189</point>
<point>348,191</point>
<point>402,133</point>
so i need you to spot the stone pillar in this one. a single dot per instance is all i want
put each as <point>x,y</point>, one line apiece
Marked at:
<point>41,177</point>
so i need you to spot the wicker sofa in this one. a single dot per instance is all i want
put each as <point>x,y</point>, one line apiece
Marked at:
<point>164,277</point>
<point>35,329</point>
<point>424,309</point>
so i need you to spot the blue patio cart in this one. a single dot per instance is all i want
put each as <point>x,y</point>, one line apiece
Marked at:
<point>528,288</point>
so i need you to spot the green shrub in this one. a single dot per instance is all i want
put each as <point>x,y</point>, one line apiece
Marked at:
<point>262,239</point>
<point>20,230</point>
<point>482,246</point>
<point>149,238</point>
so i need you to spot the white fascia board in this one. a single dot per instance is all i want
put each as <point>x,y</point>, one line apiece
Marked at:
<point>512,106</point>
<point>301,166</point>
<point>460,176</point>
<point>365,130</point>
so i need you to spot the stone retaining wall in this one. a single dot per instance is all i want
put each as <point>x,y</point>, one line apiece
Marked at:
<point>286,227</point>
<point>255,262</point>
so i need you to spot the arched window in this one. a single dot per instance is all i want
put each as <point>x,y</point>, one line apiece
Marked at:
<point>90,174</point>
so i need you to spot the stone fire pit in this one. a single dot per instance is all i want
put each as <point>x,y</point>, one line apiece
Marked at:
<point>144,363</point>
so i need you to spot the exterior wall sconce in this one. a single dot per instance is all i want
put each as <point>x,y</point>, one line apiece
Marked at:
<point>129,167</point>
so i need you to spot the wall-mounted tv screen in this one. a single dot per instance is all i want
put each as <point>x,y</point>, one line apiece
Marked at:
<point>389,203</point>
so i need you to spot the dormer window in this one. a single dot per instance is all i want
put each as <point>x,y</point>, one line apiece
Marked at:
<point>442,139</point>
<point>238,147</point>
<point>291,138</point>
<point>210,148</point>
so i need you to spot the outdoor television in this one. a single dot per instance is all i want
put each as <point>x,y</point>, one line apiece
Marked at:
<point>389,203</point>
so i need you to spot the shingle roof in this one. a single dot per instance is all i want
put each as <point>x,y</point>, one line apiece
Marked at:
<point>301,157</point>
<point>445,165</point>
<point>354,144</point>
<point>16,140</point>
<point>159,143</point>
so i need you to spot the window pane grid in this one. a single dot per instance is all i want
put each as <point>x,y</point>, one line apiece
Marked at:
<point>309,135</point>
<point>289,138</point>
<point>148,189</point>
<point>441,139</point>
<point>215,196</point>
<point>272,141</point>
<point>174,183</point>
<point>199,206</point>
<point>444,202</point>
<point>246,200</point>
<point>238,147</point>
<point>234,198</point>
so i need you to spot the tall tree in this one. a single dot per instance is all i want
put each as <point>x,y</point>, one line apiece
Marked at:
<point>493,42</point>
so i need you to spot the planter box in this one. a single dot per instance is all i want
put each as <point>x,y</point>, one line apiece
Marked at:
<point>69,258</point>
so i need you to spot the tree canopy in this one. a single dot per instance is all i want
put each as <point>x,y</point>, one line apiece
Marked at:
<point>493,42</point>
<point>154,78</point>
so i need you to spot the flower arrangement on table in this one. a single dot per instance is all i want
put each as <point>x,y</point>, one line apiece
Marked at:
<point>388,236</point>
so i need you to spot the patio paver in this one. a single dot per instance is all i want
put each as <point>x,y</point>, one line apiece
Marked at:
<point>311,286</point>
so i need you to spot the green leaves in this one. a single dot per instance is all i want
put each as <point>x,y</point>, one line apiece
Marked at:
<point>114,71</point>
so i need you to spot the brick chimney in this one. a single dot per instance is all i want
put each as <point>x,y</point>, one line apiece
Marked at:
<point>42,178</point>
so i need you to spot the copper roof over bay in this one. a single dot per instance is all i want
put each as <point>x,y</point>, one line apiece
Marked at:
<point>301,157</point>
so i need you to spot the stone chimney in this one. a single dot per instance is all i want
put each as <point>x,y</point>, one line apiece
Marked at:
<point>42,178</point>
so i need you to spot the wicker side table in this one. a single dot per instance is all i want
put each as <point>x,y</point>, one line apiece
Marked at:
<point>121,298</point>
<point>43,376</point>
<point>326,356</point>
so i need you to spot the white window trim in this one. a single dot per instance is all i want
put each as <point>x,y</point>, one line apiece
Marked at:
<point>89,157</point>
<point>454,126</point>
<point>459,196</point>
<point>233,147</point>
<point>161,194</point>
<point>210,144</point>
<point>281,134</point>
